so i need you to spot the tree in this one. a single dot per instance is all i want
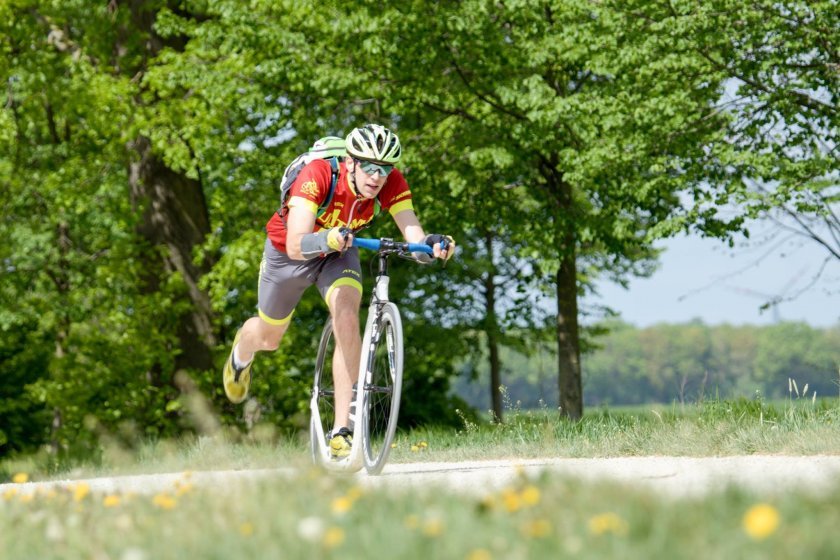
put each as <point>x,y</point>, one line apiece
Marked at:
<point>592,112</point>
<point>778,158</point>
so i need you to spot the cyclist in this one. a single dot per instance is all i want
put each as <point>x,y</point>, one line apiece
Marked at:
<point>304,247</point>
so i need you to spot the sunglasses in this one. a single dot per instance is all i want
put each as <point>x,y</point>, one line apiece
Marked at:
<point>370,168</point>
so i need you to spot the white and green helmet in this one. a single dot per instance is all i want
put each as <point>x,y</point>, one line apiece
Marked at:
<point>374,142</point>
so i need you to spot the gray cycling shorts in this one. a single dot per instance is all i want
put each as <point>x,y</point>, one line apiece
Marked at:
<point>283,280</point>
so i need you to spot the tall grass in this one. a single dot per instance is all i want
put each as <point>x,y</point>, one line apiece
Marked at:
<point>711,428</point>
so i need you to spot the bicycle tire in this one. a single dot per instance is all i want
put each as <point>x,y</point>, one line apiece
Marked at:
<point>322,413</point>
<point>382,387</point>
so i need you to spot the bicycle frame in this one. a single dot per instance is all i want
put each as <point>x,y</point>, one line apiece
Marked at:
<point>379,306</point>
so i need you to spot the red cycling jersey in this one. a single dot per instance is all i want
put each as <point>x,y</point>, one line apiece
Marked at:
<point>312,187</point>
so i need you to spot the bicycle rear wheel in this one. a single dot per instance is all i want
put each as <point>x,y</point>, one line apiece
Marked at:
<point>383,387</point>
<point>322,406</point>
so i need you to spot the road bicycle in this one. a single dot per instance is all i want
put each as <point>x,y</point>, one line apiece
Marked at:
<point>375,408</point>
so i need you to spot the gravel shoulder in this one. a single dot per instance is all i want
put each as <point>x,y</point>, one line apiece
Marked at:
<point>671,476</point>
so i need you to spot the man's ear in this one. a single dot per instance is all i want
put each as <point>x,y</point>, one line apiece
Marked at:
<point>349,164</point>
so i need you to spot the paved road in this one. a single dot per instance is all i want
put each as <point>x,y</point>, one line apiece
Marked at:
<point>673,476</point>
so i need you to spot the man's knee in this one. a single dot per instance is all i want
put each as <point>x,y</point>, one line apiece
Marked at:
<point>265,336</point>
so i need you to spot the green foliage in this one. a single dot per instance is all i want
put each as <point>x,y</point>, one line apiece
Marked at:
<point>534,133</point>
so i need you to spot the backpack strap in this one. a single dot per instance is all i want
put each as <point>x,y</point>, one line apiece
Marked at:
<point>334,167</point>
<point>333,161</point>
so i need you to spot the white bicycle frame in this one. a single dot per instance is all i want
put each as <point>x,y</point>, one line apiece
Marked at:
<point>355,460</point>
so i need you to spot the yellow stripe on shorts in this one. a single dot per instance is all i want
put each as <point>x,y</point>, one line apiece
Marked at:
<point>275,322</point>
<point>342,282</point>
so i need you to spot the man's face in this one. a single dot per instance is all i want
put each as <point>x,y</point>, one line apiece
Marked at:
<point>370,177</point>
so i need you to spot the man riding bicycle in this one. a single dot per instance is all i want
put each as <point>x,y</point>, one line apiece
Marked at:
<point>305,247</point>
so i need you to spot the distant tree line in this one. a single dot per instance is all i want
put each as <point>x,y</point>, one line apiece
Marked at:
<point>669,363</point>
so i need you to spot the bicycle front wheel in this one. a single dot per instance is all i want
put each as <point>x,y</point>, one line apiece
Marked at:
<point>383,387</point>
<point>322,410</point>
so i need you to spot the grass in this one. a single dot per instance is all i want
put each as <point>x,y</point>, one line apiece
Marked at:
<point>311,515</point>
<point>316,516</point>
<point>711,428</point>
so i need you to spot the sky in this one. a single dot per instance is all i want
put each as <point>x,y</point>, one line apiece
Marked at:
<point>705,279</point>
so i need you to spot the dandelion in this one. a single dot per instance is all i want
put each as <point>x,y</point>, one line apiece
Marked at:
<point>537,529</point>
<point>355,493</point>
<point>393,446</point>
<point>433,527</point>
<point>479,554</point>
<point>80,491</point>
<point>411,522</point>
<point>10,493</point>
<point>530,495</point>
<point>414,448</point>
<point>111,500</point>
<point>333,537</point>
<point>761,521</point>
<point>423,445</point>
<point>20,478</point>
<point>164,501</point>
<point>182,488</point>
<point>608,523</point>
<point>246,529</point>
<point>511,500</point>
<point>342,505</point>
<point>26,498</point>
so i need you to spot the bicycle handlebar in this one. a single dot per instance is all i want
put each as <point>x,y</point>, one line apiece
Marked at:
<point>391,246</point>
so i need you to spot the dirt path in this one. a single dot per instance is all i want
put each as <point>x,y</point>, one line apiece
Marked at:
<point>672,476</point>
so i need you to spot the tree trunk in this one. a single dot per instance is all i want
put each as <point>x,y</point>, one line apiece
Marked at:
<point>175,217</point>
<point>568,340</point>
<point>492,329</point>
<point>568,337</point>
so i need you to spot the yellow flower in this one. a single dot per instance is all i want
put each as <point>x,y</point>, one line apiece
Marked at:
<point>80,491</point>
<point>530,495</point>
<point>608,523</point>
<point>393,446</point>
<point>182,488</point>
<point>538,528</point>
<point>423,444</point>
<point>414,448</point>
<point>433,527</point>
<point>479,554</point>
<point>355,493</point>
<point>20,478</point>
<point>411,522</point>
<point>246,529</point>
<point>342,505</point>
<point>164,501</point>
<point>511,500</point>
<point>111,500</point>
<point>10,493</point>
<point>761,521</point>
<point>333,537</point>
<point>26,498</point>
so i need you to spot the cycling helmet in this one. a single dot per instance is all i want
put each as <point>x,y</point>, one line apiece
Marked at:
<point>374,142</point>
